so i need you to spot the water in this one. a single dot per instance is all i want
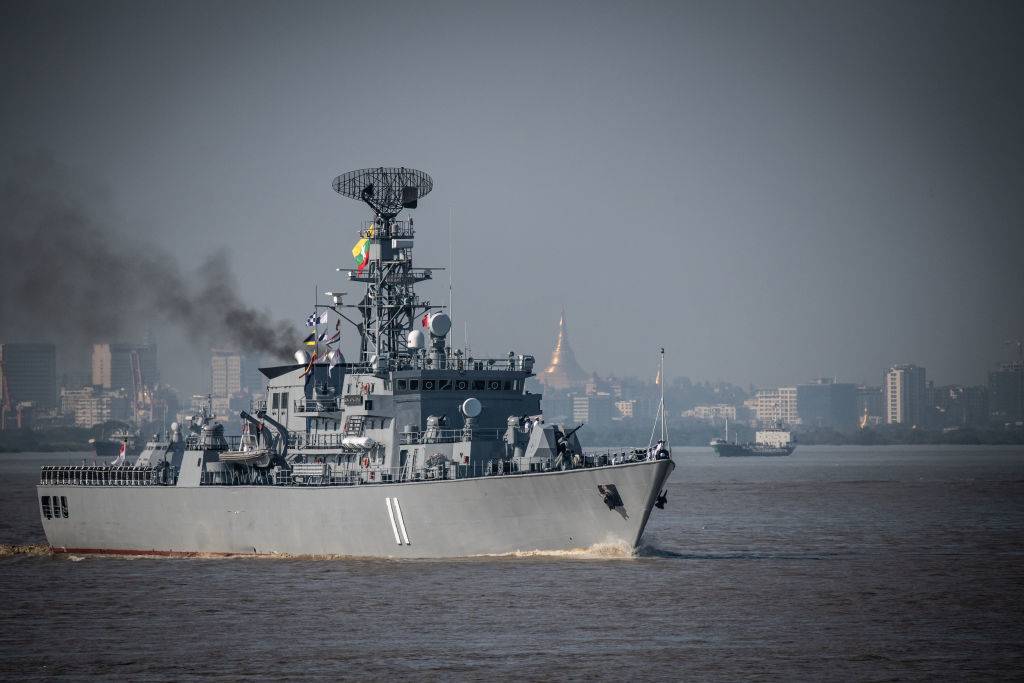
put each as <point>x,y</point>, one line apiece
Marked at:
<point>845,563</point>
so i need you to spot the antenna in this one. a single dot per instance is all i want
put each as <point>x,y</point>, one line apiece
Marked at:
<point>451,258</point>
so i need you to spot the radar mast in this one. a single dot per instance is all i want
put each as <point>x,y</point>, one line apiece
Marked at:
<point>389,307</point>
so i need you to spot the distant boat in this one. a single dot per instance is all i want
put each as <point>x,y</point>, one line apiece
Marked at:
<point>773,441</point>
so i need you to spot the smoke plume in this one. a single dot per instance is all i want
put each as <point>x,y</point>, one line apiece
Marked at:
<point>68,276</point>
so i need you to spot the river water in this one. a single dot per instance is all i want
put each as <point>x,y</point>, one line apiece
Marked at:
<point>841,563</point>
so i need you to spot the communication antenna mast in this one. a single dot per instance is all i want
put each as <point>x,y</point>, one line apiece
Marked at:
<point>389,307</point>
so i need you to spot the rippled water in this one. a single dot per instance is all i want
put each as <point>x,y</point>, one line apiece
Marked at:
<point>837,563</point>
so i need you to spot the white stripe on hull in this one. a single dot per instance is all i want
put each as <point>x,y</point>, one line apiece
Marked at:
<point>489,515</point>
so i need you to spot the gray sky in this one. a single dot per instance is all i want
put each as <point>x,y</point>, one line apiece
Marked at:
<point>773,191</point>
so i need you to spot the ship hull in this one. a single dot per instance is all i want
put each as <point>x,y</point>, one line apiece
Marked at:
<point>456,518</point>
<point>735,450</point>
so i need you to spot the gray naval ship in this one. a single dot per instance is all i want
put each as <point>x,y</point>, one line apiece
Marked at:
<point>413,450</point>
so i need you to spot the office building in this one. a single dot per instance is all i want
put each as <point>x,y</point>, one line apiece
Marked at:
<point>30,373</point>
<point>1006,393</point>
<point>904,388</point>
<point>777,405</point>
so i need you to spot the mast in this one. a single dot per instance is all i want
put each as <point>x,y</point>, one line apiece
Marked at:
<point>389,307</point>
<point>660,416</point>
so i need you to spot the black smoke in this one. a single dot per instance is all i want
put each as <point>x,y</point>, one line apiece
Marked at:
<point>71,276</point>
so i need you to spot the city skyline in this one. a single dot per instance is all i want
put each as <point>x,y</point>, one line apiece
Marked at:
<point>758,191</point>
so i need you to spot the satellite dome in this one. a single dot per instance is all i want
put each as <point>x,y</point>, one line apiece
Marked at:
<point>440,324</point>
<point>415,340</point>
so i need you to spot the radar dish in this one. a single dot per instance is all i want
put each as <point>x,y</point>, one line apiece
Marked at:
<point>387,190</point>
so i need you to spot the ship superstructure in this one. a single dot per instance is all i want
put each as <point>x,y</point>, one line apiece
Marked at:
<point>412,449</point>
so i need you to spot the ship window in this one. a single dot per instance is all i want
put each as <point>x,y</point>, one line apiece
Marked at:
<point>277,401</point>
<point>428,385</point>
<point>508,385</point>
<point>461,385</point>
<point>63,507</point>
<point>414,385</point>
<point>478,385</point>
<point>517,385</point>
<point>284,400</point>
<point>368,404</point>
<point>400,385</point>
<point>46,507</point>
<point>445,385</point>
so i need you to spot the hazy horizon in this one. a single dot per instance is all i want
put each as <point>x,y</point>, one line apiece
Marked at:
<point>772,191</point>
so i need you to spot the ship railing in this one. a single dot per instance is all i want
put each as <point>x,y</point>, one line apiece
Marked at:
<point>331,474</point>
<point>318,405</point>
<point>450,436</point>
<point>196,442</point>
<point>400,229</point>
<point>99,475</point>
<point>449,362</point>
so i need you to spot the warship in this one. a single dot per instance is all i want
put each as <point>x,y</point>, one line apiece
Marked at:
<point>413,449</point>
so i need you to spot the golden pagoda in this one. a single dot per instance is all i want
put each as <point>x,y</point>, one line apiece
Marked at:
<point>563,372</point>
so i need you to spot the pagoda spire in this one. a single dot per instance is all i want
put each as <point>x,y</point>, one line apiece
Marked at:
<point>563,372</point>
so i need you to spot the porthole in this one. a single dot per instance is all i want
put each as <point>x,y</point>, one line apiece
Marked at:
<point>461,385</point>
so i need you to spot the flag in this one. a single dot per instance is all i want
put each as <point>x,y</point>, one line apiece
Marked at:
<point>309,368</point>
<point>311,320</point>
<point>322,320</point>
<point>119,460</point>
<point>426,319</point>
<point>323,335</point>
<point>335,338</point>
<point>334,357</point>
<point>310,340</point>
<point>361,252</point>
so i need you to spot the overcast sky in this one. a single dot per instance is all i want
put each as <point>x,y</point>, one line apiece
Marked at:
<point>773,191</point>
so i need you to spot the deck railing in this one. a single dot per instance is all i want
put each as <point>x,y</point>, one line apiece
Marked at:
<point>98,475</point>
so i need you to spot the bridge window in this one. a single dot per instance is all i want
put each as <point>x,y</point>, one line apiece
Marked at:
<point>508,385</point>
<point>63,507</point>
<point>494,385</point>
<point>478,385</point>
<point>400,385</point>
<point>284,400</point>
<point>461,385</point>
<point>445,385</point>
<point>47,512</point>
<point>428,385</point>
<point>276,403</point>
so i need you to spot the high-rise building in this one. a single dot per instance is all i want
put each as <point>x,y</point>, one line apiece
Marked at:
<point>905,391</point>
<point>777,405</point>
<point>563,372</point>
<point>232,372</point>
<point>827,403</point>
<point>1006,392</point>
<point>112,365</point>
<point>30,371</point>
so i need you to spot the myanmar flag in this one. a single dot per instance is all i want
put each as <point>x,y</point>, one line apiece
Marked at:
<point>361,252</point>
